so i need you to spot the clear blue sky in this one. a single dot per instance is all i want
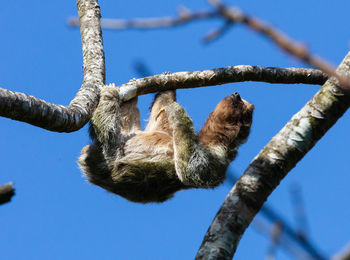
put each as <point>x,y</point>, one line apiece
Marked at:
<point>56,214</point>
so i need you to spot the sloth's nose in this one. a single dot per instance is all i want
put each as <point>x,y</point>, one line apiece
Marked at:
<point>236,96</point>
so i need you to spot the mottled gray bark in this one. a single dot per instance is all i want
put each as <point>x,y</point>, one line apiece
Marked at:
<point>6,193</point>
<point>203,78</point>
<point>271,165</point>
<point>22,107</point>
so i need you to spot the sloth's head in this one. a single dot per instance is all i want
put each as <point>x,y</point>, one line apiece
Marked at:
<point>234,110</point>
<point>229,124</point>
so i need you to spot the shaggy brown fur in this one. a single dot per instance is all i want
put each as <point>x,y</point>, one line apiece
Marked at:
<point>151,165</point>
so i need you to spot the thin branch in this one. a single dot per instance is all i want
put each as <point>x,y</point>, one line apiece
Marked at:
<point>276,232</point>
<point>271,165</point>
<point>299,211</point>
<point>232,15</point>
<point>19,106</point>
<point>6,193</point>
<point>289,238</point>
<point>215,34</point>
<point>184,16</point>
<point>297,50</point>
<point>204,78</point>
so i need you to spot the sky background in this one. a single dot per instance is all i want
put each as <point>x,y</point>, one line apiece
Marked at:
<point>56,214</point>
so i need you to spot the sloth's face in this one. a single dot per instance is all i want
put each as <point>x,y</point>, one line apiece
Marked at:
<point>234,110</point>
<point>229,124</point>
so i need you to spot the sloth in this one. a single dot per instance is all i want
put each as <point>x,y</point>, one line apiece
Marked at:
<point>168,156</point>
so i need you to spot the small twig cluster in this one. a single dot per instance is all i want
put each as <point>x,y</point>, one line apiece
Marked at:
<point>231,17</point>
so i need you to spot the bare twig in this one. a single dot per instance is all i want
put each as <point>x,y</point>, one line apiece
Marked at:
<point>232,15</point>
<point>299,51</point>
<point>6,193</point>
<point>299,211</point>
<point>270,166</point>
<point>184,16</point>
<point>289,239</point>
<point>275,240</point>
<point>70,118</point>
<point>215,34</point>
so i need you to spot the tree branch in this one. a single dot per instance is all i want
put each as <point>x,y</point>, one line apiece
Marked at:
<point>299,247</point>
<point>234,15</point>
<point>271,165</point>
<point>6,193</point>
<point>22,107</point>
<point>204,78</point>
<point>59,118</point>
<point>184,16</point>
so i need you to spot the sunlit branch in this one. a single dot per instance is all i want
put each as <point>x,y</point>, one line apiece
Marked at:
<point>287,237</point>
<point>29,109</point>
<point>35,111</point>
<point>271,165</point>
<point>203,78</point>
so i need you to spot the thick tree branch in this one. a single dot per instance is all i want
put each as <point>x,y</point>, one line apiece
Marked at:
<point>299,247</point>
<point>271,165</point>
<point>6,193</point>
<point>70,118</point>
<point>59,118</point>
<point>203,78</point>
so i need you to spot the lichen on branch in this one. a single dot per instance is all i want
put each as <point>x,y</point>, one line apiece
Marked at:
<point>271,165</point>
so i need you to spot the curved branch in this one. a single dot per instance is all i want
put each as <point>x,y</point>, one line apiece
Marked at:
<point>204,78</point>
<point>271,165</point>
<point>297,245</point>
<point>26,108</point>
<point>6,193</point>
<point>69,118</point>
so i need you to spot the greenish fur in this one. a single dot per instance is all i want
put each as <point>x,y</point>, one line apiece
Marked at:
<point>183,135</point>
<point>151,166</point>
<point>138,181</point>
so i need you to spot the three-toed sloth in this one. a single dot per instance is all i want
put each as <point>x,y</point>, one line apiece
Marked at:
<point>168,156</point>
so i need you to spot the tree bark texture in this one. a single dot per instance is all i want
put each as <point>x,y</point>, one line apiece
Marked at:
<point>22,107</point>
<point>26,108</point>
<point>219,76</point>
<point>271,165</point>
